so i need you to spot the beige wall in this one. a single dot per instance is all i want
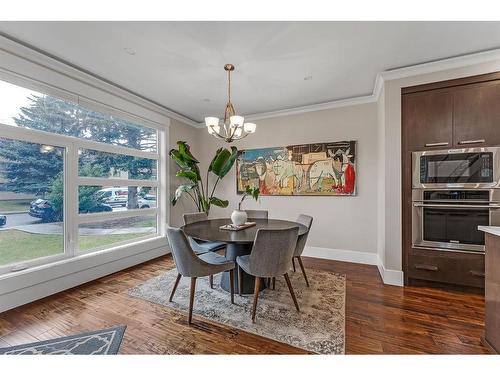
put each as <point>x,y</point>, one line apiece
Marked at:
<point>347,223</point>
<point>181,132</point>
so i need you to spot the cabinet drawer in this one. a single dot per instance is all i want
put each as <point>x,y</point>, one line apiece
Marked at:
<point>447,267</point>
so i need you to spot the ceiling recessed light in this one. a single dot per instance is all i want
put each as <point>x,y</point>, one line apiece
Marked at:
<point>308,78</point>
<point>130,51</point>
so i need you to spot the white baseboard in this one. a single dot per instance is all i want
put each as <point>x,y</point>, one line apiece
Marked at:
<point>341,255</point>
<point>68,280</point>
<point>390,277</point>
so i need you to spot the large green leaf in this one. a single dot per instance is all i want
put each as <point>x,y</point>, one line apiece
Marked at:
<point>223,161</point>
<point>193,176</point>
<point>218,160</point>
<point>184,151</point>
<point>219,202</point>
<point>179,160</point>
<point>229,162</point>
<point>182,189</point>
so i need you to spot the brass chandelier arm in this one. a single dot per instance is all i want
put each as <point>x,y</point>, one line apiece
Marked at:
<point>229,137</point>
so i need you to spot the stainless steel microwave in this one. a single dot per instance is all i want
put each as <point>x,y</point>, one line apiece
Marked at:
<point>464,168</point>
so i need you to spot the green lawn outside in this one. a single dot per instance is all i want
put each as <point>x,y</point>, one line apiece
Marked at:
<point>16,246</point>
<point>14,205</point>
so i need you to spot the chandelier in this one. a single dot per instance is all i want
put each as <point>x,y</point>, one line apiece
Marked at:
<point>233,127</point>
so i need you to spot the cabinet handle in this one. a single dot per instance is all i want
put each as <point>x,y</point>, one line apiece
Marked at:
<point>476,273</point>
<point>426,267</point>
<point>471,142</point>
<point>436,144</point>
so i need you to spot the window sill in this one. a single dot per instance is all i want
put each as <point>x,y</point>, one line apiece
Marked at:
<point>78,270</point>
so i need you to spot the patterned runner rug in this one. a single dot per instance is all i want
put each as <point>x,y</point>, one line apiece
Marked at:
<point>106,341</point>
<point>319,327</point>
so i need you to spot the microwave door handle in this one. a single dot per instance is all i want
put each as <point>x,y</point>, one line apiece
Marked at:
<point>458,206</point>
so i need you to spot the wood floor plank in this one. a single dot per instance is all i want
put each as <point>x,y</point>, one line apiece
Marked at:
<point>379,318</point>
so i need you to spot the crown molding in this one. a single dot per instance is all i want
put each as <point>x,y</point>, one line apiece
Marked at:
<point>314,107</point>
<point>379,86</point>
<point>308,108</point>
<point>440,65</point>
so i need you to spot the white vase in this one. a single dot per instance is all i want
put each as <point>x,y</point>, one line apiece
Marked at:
<point>239,217</point>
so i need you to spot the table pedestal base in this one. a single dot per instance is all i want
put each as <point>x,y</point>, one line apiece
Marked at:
<point>232,252</point>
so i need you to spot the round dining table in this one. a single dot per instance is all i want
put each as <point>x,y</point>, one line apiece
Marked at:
<point>237,243</point>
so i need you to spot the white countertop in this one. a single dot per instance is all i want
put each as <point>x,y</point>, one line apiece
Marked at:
<point>490,229</point>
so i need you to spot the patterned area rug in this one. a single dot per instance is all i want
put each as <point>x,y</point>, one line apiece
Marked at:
<point>319,327</point>
<point>106,341</point>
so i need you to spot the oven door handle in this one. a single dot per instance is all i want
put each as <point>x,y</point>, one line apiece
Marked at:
<point>457,206</point>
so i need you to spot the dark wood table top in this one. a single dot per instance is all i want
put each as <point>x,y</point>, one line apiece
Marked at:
<point>208,230</point>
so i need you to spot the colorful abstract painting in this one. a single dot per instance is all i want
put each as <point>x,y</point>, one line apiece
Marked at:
<point>309,169</point>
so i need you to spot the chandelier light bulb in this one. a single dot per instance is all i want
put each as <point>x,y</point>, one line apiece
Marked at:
<point>236,121</point>
<point>238,131</point>
<point>249,127</point>
<point>212,121</point>
<point>213,129</point>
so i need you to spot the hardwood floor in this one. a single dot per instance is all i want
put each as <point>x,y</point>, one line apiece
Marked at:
<point>379,318</point>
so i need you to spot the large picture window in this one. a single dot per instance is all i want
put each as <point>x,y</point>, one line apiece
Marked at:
<point>31,186</point>
<point>72,179</point>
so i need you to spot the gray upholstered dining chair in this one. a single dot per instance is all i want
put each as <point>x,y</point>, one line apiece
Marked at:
<point>257,214</point>
<point>301,243</point>
<point>271,254</point>
<point>198,246</point>
<point>202,247</point>
<point>191,265</point>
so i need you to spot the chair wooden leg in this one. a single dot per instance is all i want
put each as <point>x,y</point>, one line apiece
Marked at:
<point>175,287</point>
<point>274,283</point>
<point>191,299</point>
<point>303,270</point>
<point>293,264</point>
<point>255,297</point>
<point>231,281</point>
<point>240,281</point>
<point>291,291</point>
<point>211,278</point>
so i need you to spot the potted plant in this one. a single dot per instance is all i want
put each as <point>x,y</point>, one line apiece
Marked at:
<point>200,192</point>
<point>239,217</point>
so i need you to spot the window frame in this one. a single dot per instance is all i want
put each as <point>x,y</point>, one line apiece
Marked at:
<point>72,181</point>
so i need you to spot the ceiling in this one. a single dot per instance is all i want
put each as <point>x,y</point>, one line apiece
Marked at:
<point>279,65</point>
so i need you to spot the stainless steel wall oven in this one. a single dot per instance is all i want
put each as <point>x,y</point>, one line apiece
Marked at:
<point>454,191</point>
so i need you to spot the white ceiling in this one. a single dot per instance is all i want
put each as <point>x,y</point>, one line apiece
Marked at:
<point>180,64</point>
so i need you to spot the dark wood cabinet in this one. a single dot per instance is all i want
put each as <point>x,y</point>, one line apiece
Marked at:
<point>458,268</point>
<point>429,119</point>
<point>444,115</point>
<point>492,293</point>
<point>476,115</point>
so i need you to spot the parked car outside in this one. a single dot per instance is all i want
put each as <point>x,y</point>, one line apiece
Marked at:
<point>115,197</point>
<point>101,207</point>
<point>43,209</point>
<point>148,201</point>
<point>3,220</point>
